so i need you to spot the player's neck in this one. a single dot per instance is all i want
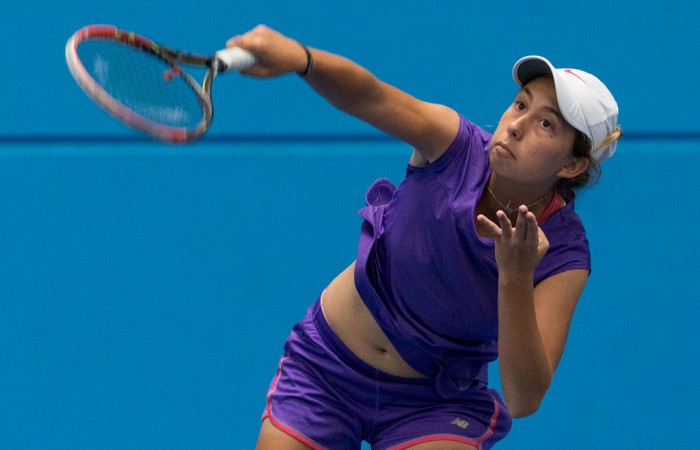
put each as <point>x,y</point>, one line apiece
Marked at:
<point>508,197</point>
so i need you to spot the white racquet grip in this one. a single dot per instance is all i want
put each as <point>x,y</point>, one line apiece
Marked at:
<point>234,58</point>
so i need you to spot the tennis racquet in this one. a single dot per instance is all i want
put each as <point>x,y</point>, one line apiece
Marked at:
<point>144,85</point>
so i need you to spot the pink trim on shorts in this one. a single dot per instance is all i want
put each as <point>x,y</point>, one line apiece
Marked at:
<point>435,438</point>
<point>278,424</point>
<point>450,437</point>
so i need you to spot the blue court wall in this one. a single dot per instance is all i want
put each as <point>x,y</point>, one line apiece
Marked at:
<point>454,52</point>
<point>146,290</point>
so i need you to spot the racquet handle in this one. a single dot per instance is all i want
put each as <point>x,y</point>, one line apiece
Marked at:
<point>234,58</point>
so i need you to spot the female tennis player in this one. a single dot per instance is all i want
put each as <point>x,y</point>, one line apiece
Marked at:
<point>477,254</point>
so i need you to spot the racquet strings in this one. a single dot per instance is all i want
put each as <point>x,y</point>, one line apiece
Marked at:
<point>143,82</point>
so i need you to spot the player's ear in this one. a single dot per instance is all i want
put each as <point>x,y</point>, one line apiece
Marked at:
<point>574,168</point>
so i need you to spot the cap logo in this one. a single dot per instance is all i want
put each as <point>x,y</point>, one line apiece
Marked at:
<point>569,71</point>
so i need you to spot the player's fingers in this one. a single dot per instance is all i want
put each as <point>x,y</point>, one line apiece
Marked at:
<point>532,227</point>
<point>505,223</point>
<point>492,228</point>
<point>234,41</point>
<point>521,223</point>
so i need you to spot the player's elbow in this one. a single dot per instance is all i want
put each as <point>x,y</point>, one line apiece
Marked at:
<point>521,409</point>
<point>524,394</point>
<point>524,403</point>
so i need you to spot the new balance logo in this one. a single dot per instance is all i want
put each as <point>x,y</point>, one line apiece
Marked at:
<point>460,423</point>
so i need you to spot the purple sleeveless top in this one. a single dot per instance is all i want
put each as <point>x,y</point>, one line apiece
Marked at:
<point>429,279</point>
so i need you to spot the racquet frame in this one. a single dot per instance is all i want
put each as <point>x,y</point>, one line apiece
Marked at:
<point>174,58</point>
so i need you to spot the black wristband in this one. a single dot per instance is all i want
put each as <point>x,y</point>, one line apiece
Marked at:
<point>309,61</point>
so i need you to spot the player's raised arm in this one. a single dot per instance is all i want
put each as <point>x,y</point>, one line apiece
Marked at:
<point>428,127</point>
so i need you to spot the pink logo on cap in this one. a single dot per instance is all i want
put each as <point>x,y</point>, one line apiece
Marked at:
<point>572,73</point>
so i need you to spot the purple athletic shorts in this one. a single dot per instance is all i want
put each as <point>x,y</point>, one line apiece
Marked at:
<point>327,398</point>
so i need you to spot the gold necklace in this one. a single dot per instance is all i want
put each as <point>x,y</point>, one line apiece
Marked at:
<point>507,207</point>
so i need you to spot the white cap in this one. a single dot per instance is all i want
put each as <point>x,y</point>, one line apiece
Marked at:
<point>584,101</point>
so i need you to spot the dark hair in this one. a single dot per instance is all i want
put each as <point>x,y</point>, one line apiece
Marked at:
<point>582,148</point>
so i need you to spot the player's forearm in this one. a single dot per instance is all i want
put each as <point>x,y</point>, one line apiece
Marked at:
<point>345,84</point>
<point>428,128</point>
<point>525,369</point>
<point>353,89</point>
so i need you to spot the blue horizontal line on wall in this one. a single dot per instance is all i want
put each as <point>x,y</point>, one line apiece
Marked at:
<point>312,138</point>
<point>78,139</point>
